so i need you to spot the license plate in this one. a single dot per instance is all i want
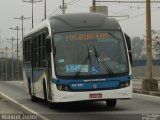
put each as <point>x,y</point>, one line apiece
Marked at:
<point>97,95</point>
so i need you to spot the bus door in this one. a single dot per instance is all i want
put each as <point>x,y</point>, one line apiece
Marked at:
<point>48,66</point>
<point>32,64</point>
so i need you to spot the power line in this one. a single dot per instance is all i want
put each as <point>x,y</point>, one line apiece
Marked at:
<point>73,2</point>
<point>137,15</point>
<point>32,2</point>
<point>17,29</point>
<point>130,6</point>
<point>80,6</point>
<point>54,12</point>
<point>135,1</point>
<point>12,39</point>
<point>119,16</point>
<point>125,11</point>
<point>63,7</point>
<point>22,18</point>
<point>130,11</point>
<point>58,12</point>
<point>69,3</point>
<point>134,10</point>
<point>122,11</point>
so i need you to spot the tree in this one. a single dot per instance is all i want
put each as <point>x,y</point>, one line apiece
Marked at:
<point>138,48</point>
<point>156,44</point>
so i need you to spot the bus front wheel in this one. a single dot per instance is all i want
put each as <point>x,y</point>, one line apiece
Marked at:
<point>52,105</point>
<point>111,102</point>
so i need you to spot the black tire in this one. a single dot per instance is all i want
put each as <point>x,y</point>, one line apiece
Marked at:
<point>52,105</point>
<point>111,102</point>
<point>44,91</point>
<point>34,98</point>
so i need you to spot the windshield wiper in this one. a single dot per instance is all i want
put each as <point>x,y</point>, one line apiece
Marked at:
<point>88,57</point>
<point>97,57</point>
<point>100,58</point>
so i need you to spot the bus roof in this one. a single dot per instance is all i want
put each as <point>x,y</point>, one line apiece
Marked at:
<point>83,21</point>
<point>40,26</point>
<point>77,21</point>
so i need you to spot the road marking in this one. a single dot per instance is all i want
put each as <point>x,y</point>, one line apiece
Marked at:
<point>9,99</point>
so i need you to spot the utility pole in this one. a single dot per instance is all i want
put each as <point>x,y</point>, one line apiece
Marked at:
<point>12,39</point>
<point>148,40</point>
<point>94,6</point>
<point>22,18</point>
<point>149,83</point>
<point>32,2</point>
<point>45,10</point>
<point>17,29</point>
<point>63,7</point>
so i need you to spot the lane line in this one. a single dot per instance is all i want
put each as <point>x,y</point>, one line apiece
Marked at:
<point>22,107</point>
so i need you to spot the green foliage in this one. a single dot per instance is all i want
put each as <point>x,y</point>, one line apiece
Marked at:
<point>138,48</point>
<point>156,43</point>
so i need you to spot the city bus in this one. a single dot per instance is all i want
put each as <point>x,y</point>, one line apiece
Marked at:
<point>77,57</point>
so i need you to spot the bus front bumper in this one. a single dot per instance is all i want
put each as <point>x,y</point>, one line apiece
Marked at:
<point>67,96</point>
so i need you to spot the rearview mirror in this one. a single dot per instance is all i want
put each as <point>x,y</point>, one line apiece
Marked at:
<point>128,41</point>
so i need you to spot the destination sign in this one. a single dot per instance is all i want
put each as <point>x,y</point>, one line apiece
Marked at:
<point>87,36</point>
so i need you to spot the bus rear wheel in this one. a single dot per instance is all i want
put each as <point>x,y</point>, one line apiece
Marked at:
<point>34,98</point>
<point>111,102</point>
<point>44,91</point>
<point>29,86</point>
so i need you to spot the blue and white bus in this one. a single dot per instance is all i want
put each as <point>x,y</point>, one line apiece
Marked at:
<point>77,57</point>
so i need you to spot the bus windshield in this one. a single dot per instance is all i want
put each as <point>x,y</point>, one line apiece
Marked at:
<point>90,53</point>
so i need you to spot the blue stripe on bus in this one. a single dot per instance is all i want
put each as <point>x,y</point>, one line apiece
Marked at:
<point>68,81</point>
<point>96,85</point>
<point>80,84</point>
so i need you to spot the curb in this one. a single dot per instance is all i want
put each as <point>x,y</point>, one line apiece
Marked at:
<point>22,108</point>
<point>146,92</point>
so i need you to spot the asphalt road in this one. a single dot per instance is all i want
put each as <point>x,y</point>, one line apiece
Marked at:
<point>140,106</point>
<point>7,108</point>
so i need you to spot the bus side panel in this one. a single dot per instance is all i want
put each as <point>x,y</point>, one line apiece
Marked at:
<point>39,76</point>
<point>27,75</point>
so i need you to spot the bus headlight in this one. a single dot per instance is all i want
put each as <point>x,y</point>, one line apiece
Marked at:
<point>66,88</point>
<point>62,87</point>
<point>125,84</point>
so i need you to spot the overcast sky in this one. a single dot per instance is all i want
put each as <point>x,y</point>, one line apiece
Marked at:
<point>134,26</point>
